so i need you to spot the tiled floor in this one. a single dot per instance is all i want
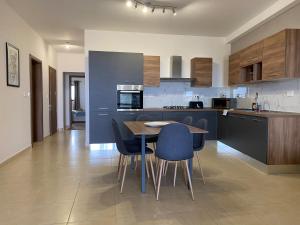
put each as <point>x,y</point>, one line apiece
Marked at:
<point>63,182</point>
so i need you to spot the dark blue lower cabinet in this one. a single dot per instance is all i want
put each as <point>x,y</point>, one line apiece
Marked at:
<point>247,134</point>
<point>101,127</point>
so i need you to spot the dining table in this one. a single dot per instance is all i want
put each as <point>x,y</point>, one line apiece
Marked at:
<point>140,129</point>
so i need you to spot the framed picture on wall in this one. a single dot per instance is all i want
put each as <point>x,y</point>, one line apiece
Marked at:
<point>12,65</point>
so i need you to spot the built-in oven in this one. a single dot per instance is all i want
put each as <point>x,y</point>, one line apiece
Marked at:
<point>130,97</point>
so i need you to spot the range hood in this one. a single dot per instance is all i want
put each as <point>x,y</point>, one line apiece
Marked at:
<point>176,71</point>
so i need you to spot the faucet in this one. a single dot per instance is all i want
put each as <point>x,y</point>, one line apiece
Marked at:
<point>264,106</point>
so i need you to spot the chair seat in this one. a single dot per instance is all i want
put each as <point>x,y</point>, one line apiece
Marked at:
<point>134,147</point>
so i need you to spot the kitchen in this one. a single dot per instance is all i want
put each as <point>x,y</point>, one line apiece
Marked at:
<point>192,113</point>
<point>168,98</point>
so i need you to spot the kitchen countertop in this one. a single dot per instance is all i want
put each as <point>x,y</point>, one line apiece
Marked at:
<point>265,114</point>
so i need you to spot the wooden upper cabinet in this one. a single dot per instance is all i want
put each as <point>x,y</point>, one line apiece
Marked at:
<point>274,56</point>
<point>152,71</point>
<point>201,72</point>
<point>234,69</point>
<point>252,54</point>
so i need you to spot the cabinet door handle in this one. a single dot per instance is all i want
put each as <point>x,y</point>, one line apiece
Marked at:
<point>103,108</point>
<point>256,120</point>
<point>102,114</point>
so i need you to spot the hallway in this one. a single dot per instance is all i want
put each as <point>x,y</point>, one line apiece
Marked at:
<point>62,182</point>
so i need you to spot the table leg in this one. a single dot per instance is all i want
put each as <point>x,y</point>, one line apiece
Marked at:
<point>143,185</point>
<point>132,163</point>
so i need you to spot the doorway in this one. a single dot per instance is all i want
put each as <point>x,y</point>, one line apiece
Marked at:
<point>52,101</point>
<point>74,101</point>
<point>36,90</point>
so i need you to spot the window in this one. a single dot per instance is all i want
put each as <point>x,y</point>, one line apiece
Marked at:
<point>73,92</point>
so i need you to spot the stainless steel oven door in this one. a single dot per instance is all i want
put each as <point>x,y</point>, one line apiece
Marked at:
<point>130,97</point>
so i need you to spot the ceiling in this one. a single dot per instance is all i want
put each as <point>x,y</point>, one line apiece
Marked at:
<point>58,21</point>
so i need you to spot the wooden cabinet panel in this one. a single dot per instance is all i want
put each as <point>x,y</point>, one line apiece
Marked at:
<point>201,72</point>
<point>234,69</point>
<point>274,57</point>
<point>151,71</point>
<point>252,54</point>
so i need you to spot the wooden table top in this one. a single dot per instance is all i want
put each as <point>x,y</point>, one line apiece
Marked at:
<point>139,128</point>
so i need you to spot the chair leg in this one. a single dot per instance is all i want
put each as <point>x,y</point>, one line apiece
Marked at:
<point>166,168</point>
<point>124,173</point>
<point>175,174</point>
<point>197,155</point>
<point>119,163</point>
<point>183,171</point>
<point>147,167</point>
<point>121,166</point>
<point>136,162</point>
<point>189,178</point>
<point>152,171</point>
<point>159,178</point>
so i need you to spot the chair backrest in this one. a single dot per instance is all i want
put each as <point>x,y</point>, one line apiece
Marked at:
<point>199,139</point>
<point>118,138</point>
<point>188,120</point>
<point>175,142</point>
<point>143,117</point>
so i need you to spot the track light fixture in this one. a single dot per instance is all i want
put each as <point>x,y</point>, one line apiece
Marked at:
<point>147,5</point>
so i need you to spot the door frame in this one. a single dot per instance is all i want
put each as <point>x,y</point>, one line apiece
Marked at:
<point>67,75</point>
<point>41,111</point>
<point>50,116</point>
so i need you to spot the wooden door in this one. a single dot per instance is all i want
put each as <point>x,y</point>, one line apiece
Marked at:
<point>36,86</point>
<point>52,101</point>
<point>234,69</point>
<point>201,72</point>
<point>152,71</point>
<point>274,57</point>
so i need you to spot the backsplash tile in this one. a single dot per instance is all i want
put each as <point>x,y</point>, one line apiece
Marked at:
<point>274,95</point>
<point>172,93</point>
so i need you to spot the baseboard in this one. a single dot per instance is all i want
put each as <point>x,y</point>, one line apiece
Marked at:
<point>264,168</point>
<point>10,158</point>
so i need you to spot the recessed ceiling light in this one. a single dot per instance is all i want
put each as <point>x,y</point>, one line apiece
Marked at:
<point>145,9</point>
<point>67,46</point>
<point>129,3</point>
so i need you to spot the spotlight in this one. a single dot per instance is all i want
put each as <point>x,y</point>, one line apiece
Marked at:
<point>153,9</point>
<point>129,3</point>
<point>68,46</point>
<point>174,12</point>
<point>164,10</point>
<point>145,9</point>
<point>136,5</point>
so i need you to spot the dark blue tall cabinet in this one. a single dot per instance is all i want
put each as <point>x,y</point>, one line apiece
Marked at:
<point>106,70</point>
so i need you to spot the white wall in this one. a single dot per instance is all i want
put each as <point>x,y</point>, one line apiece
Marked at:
<point>66,62</point>
<point>275,94</point>
<point>164,46</point>
<point>15,121</point>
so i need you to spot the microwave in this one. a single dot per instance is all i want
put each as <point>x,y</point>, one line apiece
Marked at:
<point>129,97</point>
<point>224,103</point>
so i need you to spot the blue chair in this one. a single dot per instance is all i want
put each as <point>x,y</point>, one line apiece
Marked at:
<point>128,149</point>
<point>199,142</point>
<point>175,143</point>
<point>188,120</point>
